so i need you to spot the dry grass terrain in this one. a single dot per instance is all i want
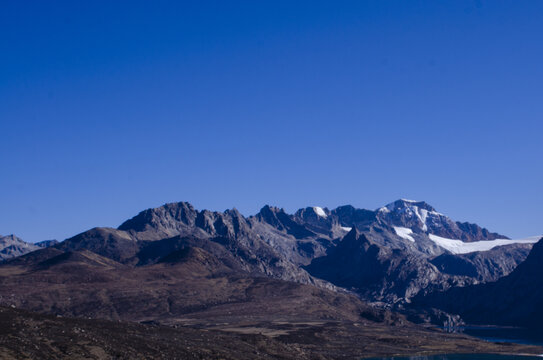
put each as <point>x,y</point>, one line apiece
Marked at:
<point>36,336</point>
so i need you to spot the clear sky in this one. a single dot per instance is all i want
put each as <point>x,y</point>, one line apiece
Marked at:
<point>111,107</point>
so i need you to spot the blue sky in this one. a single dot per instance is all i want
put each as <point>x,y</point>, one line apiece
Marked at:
<point>108,109</point>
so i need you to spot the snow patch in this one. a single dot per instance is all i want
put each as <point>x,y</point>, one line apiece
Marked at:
<point>404,233</point>
<point>409,201</point>
<point>319,211</point>
<point>345,228</point>
<point>423,215</point>
<point>460,247</point>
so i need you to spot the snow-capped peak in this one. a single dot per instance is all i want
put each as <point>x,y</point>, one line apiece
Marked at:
<point>319,211</point>
<point>398,205</point>
<point>411,214</point>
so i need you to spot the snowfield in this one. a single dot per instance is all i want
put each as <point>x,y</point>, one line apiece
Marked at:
<point>460,247</point>
<point>319,211</point>
<point>404,233</point>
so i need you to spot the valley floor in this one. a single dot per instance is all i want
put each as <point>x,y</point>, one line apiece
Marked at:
<point>25,334</point>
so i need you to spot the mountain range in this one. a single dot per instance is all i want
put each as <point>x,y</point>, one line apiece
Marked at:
<point>176,265</point>
<point>425,249</point>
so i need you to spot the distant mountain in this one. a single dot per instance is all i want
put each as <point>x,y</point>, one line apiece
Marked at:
<point>173,226</point>
<point>404,248</point>
<point>375,271</point>
<point>46,243</point>
<point>11,246</point>
<point>514,300</point>
<point>483,266</point>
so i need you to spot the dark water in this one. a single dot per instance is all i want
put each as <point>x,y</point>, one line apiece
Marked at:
<point>494,334</point>
<point>497,334</point>
<point>462,357</point>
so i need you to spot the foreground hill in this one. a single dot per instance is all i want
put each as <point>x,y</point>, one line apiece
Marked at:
<point>188,285</point>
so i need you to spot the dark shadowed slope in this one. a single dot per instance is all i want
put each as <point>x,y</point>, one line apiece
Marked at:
<point>516,299</point>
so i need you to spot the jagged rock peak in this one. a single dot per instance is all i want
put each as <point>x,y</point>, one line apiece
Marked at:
<point>416,215</point>
<point>266,209</point>
<point>313,212</point>
<point>350,216</point>
<point>233,213</point>
<point>273,215</point>
<point>159,217</point>
<point>356,240</point>
<point>282,221</point>
<point>46,243</point>
<point>182,218</point>
<point>402,204</point>
<point>9,238</point>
